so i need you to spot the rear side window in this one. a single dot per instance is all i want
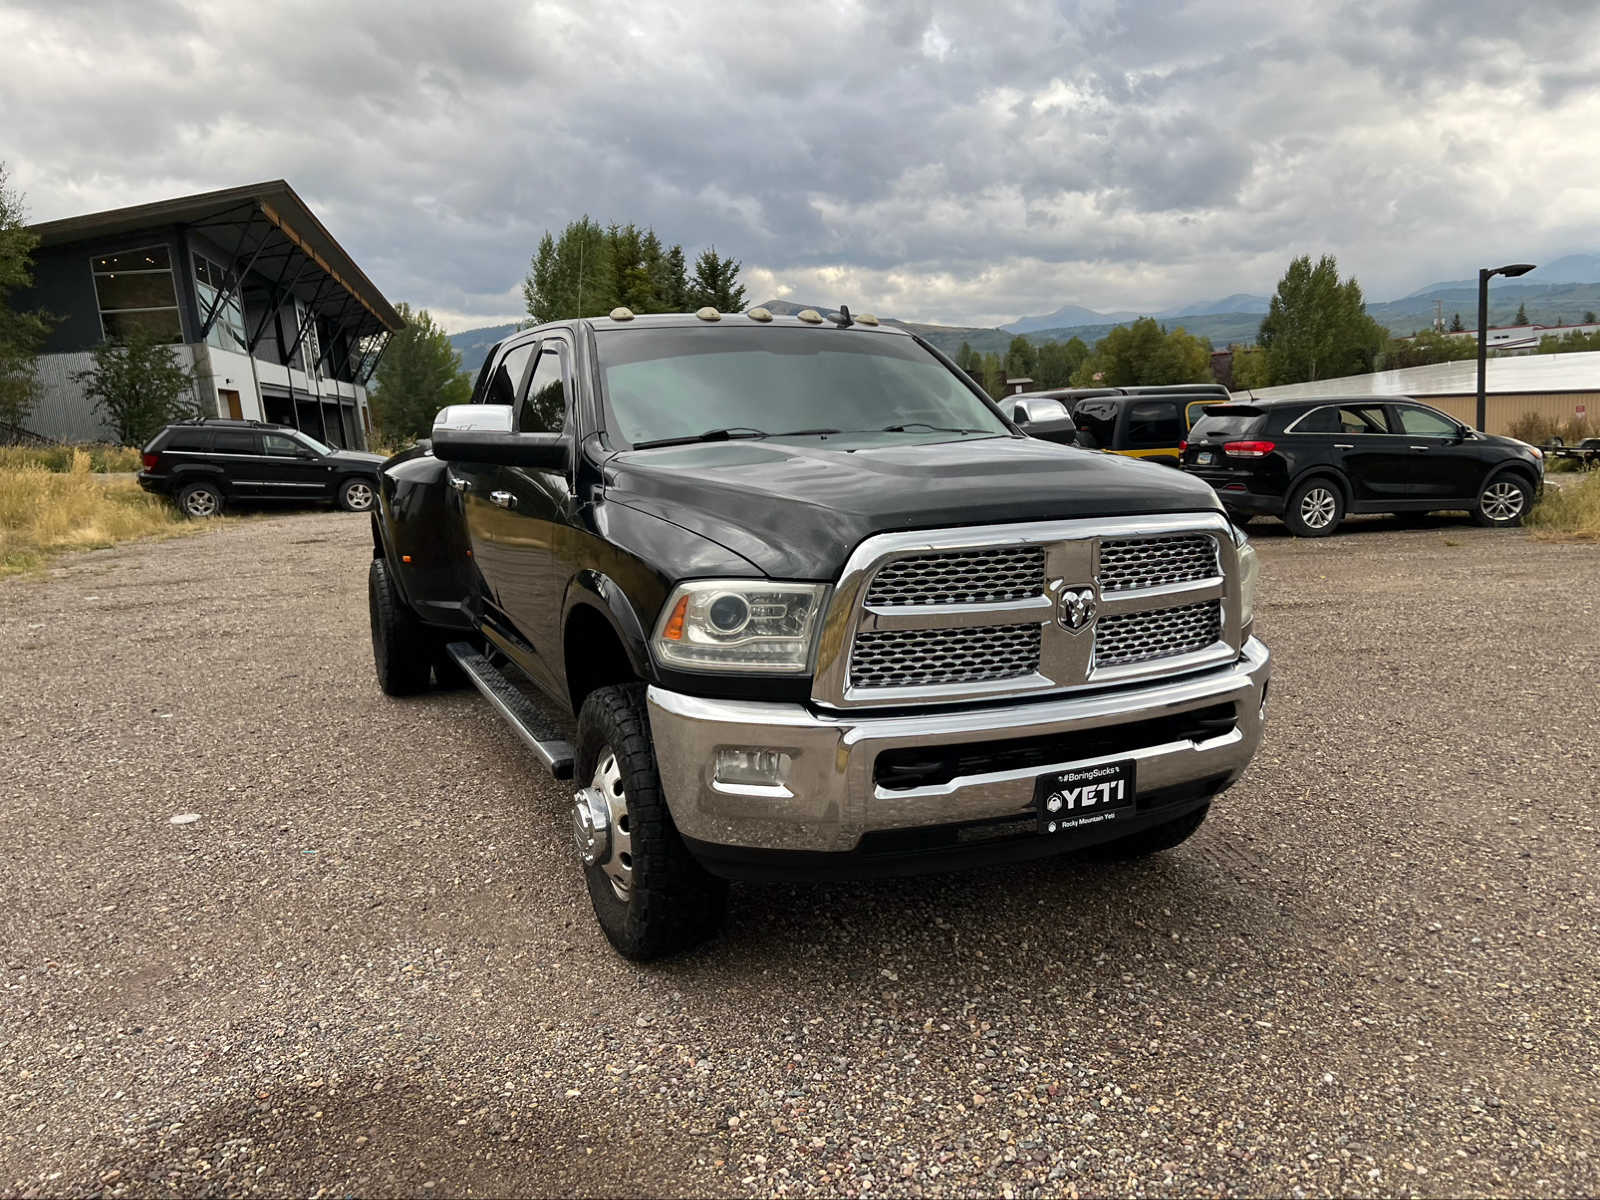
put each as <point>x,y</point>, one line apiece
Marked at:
<point>1226,425</point>
<point>189,439</point>
<point>1318,420</point>
<point>1154,423</point>
<point>231,441</point>
<point>1364,418</point>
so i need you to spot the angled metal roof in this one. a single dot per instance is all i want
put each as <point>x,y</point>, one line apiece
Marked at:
<point>1578,372</point>
<point>261,216</point>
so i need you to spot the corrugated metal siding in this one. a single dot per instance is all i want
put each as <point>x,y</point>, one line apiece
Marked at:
<point>62,411</point>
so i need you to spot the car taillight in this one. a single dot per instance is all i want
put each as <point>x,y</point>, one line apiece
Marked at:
<point>149,460</point>
<point>1248,449</point>
<point>1183,445</point>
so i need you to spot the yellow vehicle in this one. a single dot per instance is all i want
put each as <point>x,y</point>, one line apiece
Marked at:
<point>1140,422</point>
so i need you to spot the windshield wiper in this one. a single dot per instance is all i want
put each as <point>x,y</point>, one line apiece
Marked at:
<point>919,426</point>
<point>807,432</point>
<point>710,435</point>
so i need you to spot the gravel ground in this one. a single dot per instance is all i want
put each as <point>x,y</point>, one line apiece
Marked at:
<point>369,967</point>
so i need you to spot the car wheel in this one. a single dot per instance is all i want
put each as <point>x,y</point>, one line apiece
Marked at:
<point>200,500</point>
<point>1503,502</point>
<point>1149,841</point>
<point>401,651</point>
<point>357,495</point>
<point>1315,508</point>
<point>650,896</point>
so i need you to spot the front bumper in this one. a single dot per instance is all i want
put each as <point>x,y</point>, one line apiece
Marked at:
<point>832,798</point>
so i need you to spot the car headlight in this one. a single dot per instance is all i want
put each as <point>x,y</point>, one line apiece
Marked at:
<point>1249,569</point>
<point>739,625</point>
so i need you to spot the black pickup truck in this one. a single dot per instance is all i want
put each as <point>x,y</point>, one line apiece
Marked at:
<point>819,609</point>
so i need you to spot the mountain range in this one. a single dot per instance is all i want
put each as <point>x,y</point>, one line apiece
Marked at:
<point>1558,292</point>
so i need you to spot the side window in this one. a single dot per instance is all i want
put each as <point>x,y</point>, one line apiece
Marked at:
<point>236,441</point>
<point>284,447</point>
<point>1097,424</point>
<point>1425,422</point>
<point>189,439</point>
<point>1363,418</point>
<point>544,408</point>
<point>1319,420</point>
<point>1154,423</point>
<point>503,384</point>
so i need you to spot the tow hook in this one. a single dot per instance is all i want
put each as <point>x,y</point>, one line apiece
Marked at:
<point>590,824</point>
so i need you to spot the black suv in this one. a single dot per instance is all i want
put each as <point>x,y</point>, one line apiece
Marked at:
<point>206,465</point>
<point>1313,461</point>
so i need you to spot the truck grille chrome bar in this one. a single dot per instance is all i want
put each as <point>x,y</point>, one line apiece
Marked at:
<point>1007,610</point>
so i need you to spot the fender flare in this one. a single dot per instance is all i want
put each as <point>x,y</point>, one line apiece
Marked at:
<point>593,590</point>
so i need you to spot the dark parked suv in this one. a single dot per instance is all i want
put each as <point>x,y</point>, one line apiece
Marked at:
<point>1312,462</point>
<point>206,465</point>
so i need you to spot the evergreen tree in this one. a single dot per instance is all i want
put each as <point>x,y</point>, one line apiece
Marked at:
<point>1522,315</point>
<point>140,386</point>
<point>419,374</point>
<point>571,276</point>
<point>21,333</point>
<point>1318,327</point>
<point>1589,318</point>
<point>1455,324</point>
<point>676,281</point>
<point>967,358</point>
<point>716,283</point>
<point>1021,358</point>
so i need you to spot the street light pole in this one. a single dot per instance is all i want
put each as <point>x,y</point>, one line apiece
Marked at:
<point>1484,275</point>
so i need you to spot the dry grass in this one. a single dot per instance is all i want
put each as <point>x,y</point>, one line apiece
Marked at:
<point>102,457</point>
<point>45,512</point>
<point>1570,512</point>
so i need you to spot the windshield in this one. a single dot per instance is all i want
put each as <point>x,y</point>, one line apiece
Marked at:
<point>662,384</point>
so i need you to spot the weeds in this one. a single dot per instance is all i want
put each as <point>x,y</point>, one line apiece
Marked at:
<point>102,457</point>
<point>1569,513</point>
<point>45,512</point>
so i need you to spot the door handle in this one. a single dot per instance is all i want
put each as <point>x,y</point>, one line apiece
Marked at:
<point>503,499</point>
<point>1344,446</point>
<point>460,485</point>
<point>1419,447</point>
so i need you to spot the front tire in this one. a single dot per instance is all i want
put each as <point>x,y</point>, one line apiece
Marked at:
<point>401,651</point>
<point>357,494</point>
<point>1503,502</point>
<point>1150,841</point>
<point>650,896</point>
<point>1315,508</point>
<point>200,501</point>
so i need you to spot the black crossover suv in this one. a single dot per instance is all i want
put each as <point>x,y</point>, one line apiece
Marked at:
<point>205,465</point>
<point>1314,461</point>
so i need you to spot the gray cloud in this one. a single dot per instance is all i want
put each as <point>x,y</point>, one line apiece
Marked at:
<point>941,162</point>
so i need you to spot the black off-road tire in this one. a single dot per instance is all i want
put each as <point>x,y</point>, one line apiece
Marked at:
<point>673,902</point>
<point>401,649</point>
<point>1298,514</point>
<point>358,494</point>
<point>1494,497</point>
<point>1150,841</point>
<point>191,500</point>
<point>447,673</point>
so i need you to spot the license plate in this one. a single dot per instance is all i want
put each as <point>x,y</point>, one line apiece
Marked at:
<point>1204,457</point>
<point>1083,796</point>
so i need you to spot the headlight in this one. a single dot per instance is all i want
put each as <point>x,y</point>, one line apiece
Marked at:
<point>739,625</point>
<point>1249,568</point>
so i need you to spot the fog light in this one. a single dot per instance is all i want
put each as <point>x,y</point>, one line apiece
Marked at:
<point>748,765</point>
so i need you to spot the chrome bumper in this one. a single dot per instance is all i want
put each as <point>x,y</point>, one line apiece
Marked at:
<point>830,800</point>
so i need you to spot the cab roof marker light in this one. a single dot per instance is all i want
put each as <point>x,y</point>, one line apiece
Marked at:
<point>810,316</point>
<point>621,313</point>
<point>867,319</point>
<point>759,314</point>
<point>709,314</point>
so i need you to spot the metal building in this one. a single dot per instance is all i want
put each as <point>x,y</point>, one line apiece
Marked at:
<point>277,321</point>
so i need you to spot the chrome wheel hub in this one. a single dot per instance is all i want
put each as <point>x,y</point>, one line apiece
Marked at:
<point>600,825</point>
<point>1317,508</point>
<point>1502,501</point>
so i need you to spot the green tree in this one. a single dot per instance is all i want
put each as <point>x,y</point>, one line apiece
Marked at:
<point>1318,327</point>
<point>675,281</point>
<point>21,333</point>
<point>716,283</point>
<point>1249,368</point>
<point>1145,353</point>
<point>1455,324</point>
<point>1021,358</point>
<point>571,276</point>
<point>1425,348</point>
<point>1522,315</point>
<point>139,385</point>
<point>993,372</point>
<point>1057,361</point>
<point>419,374</point>
<point>1589,318</point>
<point>967,358</point>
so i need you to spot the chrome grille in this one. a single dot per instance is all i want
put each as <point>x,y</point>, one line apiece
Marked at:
<point>969,577</point>
<point>1139,637</point>
<point>1130,563</point>
<point>916,657</point>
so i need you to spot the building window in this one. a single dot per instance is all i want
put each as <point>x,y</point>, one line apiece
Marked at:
<point>227,329</point>
<point>136,293</point>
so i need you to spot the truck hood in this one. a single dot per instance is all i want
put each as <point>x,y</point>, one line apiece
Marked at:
<point>797,510</point>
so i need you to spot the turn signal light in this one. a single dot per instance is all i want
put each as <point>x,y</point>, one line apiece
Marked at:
<point>674,630</point>
<point>149,460</point>
<point>1248,449</point>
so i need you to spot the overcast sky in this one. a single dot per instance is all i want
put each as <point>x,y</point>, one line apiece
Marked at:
<point>961,164</point>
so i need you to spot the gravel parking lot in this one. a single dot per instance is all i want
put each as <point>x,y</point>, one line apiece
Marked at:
<point>370,966</point>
